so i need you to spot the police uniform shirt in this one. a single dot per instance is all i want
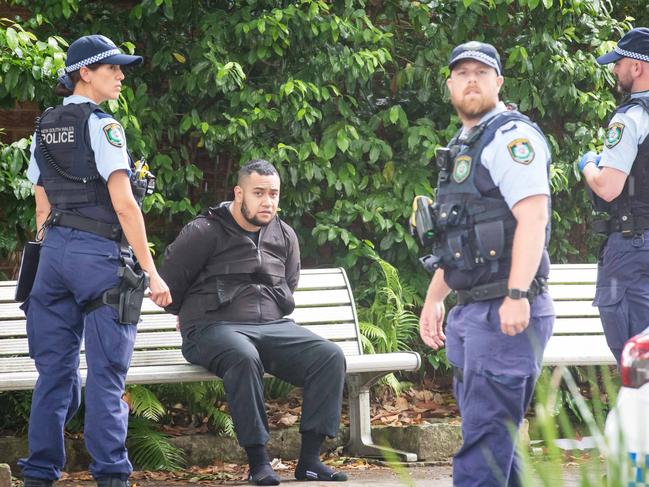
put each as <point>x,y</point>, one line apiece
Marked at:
<point>624,134</point>
<point>110,155</point>
<point>517,159</point>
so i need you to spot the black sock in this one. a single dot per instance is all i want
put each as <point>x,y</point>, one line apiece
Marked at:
<point>257,455</point>
<point>310,449</point>
<point>309,466</point>
<point>261,473</point>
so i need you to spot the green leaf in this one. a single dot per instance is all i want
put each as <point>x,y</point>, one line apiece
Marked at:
<point>342,141</point>
<point>394,113</point>
<point>12,38</point>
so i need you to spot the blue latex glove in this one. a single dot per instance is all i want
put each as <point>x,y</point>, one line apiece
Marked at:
<point>588,158</point>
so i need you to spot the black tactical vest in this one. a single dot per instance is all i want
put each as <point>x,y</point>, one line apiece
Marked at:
<point>75,185</point>
<point>475,226</point>
<point>633,201</point>
<point>239,263</point>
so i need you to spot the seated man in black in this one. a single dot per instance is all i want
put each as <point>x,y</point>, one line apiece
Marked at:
<point>232,273</point>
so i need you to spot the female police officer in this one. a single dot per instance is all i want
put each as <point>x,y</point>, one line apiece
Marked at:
<point>80,169</point>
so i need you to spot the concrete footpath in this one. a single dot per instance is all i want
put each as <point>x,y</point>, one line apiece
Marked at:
<point>419,476</point>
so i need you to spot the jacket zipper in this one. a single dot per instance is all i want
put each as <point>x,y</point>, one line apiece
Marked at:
<point>258,286</point>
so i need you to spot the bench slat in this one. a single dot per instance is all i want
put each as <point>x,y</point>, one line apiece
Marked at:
<point>577,309</point>
<point>322,280</point>
<point>10,311</point>
<point>172,339</point>
<point>575,275</point>
<point>140,358</point>
<point>578,350</point>
<point>572,326</point>
<point>330,314</point>
<point>187,372</point>
<point>572,291</point>
<point>322,297</point>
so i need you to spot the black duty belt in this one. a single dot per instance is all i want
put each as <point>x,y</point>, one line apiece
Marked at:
<point>628,225</point>
<point>63,219</point>
<point>498,289</point>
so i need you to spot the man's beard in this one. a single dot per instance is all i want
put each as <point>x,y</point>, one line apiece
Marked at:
<point>624,87</point>
<point>251,219</point>
<point>473,110</point>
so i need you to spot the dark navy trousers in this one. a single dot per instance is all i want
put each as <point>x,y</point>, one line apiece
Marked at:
<point>493,385</point>
<point>623,289</point>
<point>76,267</point>
<point>240,353</point>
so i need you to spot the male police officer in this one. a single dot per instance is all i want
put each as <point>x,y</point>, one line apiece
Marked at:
<point>619,180</point>
<point>232,274</point>
<point>491,215</point>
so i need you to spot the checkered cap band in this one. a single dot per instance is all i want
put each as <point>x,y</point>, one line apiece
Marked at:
<point>480,56</point>
<point>92,59</point>
<point>634,55</point>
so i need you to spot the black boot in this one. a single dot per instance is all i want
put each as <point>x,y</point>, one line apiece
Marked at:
<point>35,482</point>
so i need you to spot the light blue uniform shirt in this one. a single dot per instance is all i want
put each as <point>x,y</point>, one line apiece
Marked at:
<point>516,180</point>
<point>625,133</point>
<point>108,157</point>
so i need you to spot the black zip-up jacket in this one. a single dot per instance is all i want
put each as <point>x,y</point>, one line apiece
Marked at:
<point>216,271</point>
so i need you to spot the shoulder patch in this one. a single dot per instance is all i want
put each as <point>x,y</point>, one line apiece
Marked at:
<point>115,134</point>
<point>521,151</point>
<point>461,168</point>
<point>614,134</point>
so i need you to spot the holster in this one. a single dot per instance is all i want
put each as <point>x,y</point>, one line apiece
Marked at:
<point>126,298</point>
<point>27,272</point>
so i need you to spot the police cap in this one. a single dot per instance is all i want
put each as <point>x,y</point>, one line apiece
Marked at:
<point>96,49</point>
<point>478,51</point>
<point>634,44</point>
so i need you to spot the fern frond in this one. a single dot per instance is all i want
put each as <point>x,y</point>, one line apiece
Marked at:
<point>144,403</point>
<point>150,449</point>
<point>393,383</point>
<point>222,421</point>
<point>274,387</point>
<point>372,331</point>
<point>368,346</point>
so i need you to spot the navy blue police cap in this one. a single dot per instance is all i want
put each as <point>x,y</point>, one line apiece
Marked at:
<point>478,51</point>
<point>93,49</point>
<point>634,44</point>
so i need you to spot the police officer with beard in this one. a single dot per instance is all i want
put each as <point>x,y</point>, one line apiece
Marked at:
<point>618,180</point>
<point>491,230</point>
<point>85,205</point>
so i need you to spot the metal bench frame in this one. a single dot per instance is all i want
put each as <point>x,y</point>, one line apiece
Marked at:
<point>324,304</point>
<point>578,337</point>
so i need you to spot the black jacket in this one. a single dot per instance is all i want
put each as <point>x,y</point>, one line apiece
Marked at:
<point>216,272</point>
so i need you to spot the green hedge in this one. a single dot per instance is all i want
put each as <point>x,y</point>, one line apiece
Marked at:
<point>347,98</point>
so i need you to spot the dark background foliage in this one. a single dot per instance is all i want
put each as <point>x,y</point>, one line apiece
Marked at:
<point>346,97</point>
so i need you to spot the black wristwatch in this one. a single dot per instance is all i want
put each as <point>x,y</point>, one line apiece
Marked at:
<point>514,293</point>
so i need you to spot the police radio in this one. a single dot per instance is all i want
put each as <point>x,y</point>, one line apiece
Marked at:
<point>422,220</point>
<point>142,181</point>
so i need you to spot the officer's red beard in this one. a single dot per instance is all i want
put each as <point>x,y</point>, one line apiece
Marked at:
<point>624,86</point>
<point>474,107</point>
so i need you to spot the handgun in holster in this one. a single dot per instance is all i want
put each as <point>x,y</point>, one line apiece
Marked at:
<point>131,294</point>
<point>127,297</point>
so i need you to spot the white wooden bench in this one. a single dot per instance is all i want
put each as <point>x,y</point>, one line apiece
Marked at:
<point>324,304</point>
<point>578,337</point>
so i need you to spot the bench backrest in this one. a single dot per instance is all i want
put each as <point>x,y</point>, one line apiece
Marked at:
<point>578,337</point>
<point>324,304</point>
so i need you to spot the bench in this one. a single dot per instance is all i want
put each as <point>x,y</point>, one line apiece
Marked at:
<point>578,337</point>
<point>324,304</point>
